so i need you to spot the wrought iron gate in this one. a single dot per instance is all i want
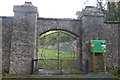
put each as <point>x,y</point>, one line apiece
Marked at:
<point>58,54</point>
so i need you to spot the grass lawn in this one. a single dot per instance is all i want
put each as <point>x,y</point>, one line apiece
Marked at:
<point>53,54</point>
<point>39,76</point>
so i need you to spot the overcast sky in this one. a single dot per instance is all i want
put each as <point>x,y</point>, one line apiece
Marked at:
<point>48,8</point>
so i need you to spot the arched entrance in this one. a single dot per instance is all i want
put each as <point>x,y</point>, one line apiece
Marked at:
<point>58,53</point>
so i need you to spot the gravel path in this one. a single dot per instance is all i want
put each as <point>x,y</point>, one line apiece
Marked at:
<point>99,75</point>
<point>90,75</point>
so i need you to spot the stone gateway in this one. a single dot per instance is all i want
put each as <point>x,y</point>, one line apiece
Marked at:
<point>20,35</point>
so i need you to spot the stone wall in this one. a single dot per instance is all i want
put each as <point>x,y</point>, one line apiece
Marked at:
<point>0,46</point>
<point>7,25</point>
<point>111,35</point>
<point>119,45</point>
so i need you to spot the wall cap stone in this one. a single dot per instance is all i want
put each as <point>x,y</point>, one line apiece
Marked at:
<point>6,16</point>
<point>112,22</point>
<point>26,8</point>
<point>62,19</point>
<point>90,11</point>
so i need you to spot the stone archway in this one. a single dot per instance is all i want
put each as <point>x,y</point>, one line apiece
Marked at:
<point>71,25</point>
<point>26,29</point>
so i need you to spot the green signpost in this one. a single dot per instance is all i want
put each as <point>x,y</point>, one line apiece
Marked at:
<point>98,46</point>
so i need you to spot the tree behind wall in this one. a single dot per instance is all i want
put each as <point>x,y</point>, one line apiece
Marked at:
<point>112,11</point>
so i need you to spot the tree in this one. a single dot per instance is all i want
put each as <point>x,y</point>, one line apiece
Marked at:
<point>101,4</point>
<point>118,11</point>
<point>110,9</point>
<point>77,13</point>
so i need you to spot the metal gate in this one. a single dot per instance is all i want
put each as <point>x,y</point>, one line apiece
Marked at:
<point>58,54</point>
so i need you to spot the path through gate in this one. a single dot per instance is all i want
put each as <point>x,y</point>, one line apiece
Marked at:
<point>58,54</point>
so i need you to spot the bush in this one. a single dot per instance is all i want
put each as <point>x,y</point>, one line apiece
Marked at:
<point>115,71</point>
<point>118,71</point>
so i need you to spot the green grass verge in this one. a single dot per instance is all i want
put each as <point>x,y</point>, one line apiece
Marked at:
<point>5,76</point>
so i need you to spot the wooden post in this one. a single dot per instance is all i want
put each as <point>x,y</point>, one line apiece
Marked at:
<point>94,61</point>
<point>102,63</point>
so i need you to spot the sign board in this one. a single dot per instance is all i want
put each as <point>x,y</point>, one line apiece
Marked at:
<point>98,46</point>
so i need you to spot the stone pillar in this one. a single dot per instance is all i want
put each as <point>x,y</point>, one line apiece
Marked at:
<point>0,47</point>
<point>92,29</point>
<point>23,46</point>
